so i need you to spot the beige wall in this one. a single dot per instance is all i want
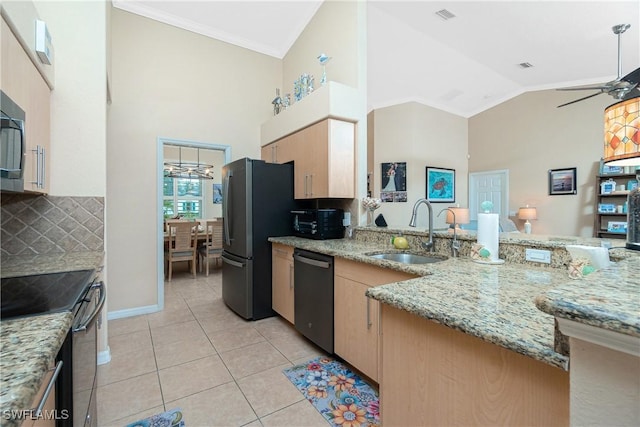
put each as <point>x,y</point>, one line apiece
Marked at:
<point>420,136</point>
<point>78,102</point>
<point>528,136</point>
<point>168,82</point>
<point>320,36</point>
<point>348,50</point>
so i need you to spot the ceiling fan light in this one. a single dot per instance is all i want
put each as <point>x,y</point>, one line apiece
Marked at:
<point>622,133</point>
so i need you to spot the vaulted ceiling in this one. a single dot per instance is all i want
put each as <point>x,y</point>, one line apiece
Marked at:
<point>464,65</point>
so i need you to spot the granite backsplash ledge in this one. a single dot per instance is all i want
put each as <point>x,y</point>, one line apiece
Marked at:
<point>512,245</point>
<point>40,225</point>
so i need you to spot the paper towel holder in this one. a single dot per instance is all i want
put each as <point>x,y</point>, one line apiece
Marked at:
<point>527,213</point>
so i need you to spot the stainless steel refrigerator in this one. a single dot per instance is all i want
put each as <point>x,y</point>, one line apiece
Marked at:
<point>257,201</point>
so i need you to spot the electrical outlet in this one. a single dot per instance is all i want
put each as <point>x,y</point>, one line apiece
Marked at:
<point>537,255</point>
<point>346,220</point>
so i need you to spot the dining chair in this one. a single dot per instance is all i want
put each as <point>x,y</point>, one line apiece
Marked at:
<point>212,247</point>
<point>182,245</point>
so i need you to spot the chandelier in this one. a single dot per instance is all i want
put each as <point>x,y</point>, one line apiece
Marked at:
<point>191,170</point>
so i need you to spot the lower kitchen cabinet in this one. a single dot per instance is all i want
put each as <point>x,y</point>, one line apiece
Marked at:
<point>282,289</point>
<point>437,376</point>
<point>356,325</point>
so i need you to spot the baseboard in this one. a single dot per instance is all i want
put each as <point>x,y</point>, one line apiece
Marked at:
<point>130,312</point>
<point>104,356</point>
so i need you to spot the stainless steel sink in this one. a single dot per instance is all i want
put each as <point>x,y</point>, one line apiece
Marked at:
<point>408,258</point>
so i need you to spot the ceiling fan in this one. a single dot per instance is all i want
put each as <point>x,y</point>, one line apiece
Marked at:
<point>622,87</point>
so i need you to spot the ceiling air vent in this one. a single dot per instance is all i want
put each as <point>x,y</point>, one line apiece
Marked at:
<point>525,65</point>
<point>445,14</point>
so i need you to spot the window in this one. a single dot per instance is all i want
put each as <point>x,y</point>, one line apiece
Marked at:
<point>183,197</point>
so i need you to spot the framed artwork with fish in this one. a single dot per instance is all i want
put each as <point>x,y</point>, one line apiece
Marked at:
<point>441,185</point>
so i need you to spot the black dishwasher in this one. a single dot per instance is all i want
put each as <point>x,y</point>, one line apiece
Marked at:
<point>313,281</point>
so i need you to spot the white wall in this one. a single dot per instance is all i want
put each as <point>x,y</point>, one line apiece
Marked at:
<point>420,136</point>
<point>168,82</point>
<point>78,102</point>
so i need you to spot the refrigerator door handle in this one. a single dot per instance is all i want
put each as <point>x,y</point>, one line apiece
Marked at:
<point>227,217</point>
<point>232,262</point>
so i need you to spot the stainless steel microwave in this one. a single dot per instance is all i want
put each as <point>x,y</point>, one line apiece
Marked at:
<point>12,145</point>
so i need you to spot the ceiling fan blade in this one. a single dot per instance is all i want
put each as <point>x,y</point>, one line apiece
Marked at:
<point>581,99</point>
<point>633,77</point>
<point>603,88</point>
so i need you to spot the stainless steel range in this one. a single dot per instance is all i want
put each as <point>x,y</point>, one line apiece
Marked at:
<point>82,293</point>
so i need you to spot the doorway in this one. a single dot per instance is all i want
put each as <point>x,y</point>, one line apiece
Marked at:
<point>162,143</point>
<point>492,186</point>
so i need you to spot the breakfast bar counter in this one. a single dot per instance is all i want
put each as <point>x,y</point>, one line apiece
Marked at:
<point>492,302</point>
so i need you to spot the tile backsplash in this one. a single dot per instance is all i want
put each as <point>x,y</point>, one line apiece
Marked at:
<point>35,225</point>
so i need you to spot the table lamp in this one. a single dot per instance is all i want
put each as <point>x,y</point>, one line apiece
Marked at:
<point>527,213</point>
<point>461,216</point>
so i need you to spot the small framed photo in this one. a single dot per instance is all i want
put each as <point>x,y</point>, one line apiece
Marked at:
<point>217,194</point>
<point>441,185</point>
<point>562,181</point>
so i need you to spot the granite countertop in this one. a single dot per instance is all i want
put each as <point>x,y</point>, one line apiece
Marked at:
<point>496,303</point>
<point>607,299</point>
<point>29,345</point>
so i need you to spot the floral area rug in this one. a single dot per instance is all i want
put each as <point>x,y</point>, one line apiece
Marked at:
<point>341,396</point>
<point>172,418</point>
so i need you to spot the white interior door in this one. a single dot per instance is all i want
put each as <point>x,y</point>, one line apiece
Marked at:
<point>492,186</point>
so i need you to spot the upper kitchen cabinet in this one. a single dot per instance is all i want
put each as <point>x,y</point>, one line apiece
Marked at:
<point>325,167</point>
<point>284,150</point>
<point>317,133</point>
<point>24,84</point>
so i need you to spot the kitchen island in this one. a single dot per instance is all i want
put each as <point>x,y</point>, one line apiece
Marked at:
<point>29,345</point>
<point>479,349</point>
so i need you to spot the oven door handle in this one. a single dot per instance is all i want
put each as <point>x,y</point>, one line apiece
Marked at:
<point>52,382</point>
<point>91,318</point>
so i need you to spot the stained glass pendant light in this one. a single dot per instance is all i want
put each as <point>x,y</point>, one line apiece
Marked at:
<point>192,170</point>
<point>621,133</point>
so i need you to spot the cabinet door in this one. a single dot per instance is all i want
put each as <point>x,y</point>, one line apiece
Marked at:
<point>325,162</point>
<point>22,82</point>
<point>356,326</point>
<point>340,153</point>
<point>282,289</point>
<point>267,153</point>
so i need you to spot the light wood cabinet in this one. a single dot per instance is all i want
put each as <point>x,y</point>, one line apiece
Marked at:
<point>282,289</point>
<point>356,325</point>
<point>282,151</point>
<point>323,158</point>
<point>326,164</point>
<point>437,376</point>
<point>22,82</point>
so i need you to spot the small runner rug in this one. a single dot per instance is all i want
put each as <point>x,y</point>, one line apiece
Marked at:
<point>172,418</point>
<point>341,396</point>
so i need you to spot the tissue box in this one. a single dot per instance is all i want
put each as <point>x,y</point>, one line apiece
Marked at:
<point>617,227</point>
<point>606,208</point>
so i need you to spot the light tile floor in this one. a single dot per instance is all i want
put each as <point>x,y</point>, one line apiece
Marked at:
<point>200,356</point>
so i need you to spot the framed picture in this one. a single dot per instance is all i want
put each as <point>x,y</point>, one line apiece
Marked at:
<point>441,185</point>
<point>217,194</point>
<point>562,181</point>
<point>394,177</point>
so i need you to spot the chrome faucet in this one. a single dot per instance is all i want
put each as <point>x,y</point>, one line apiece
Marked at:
<point>455,244</point>
<point>412,223</point>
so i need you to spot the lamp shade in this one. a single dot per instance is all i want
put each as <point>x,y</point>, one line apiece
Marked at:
<point>527,213</point>
<point>621,136</point>
<point>462,215</point>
